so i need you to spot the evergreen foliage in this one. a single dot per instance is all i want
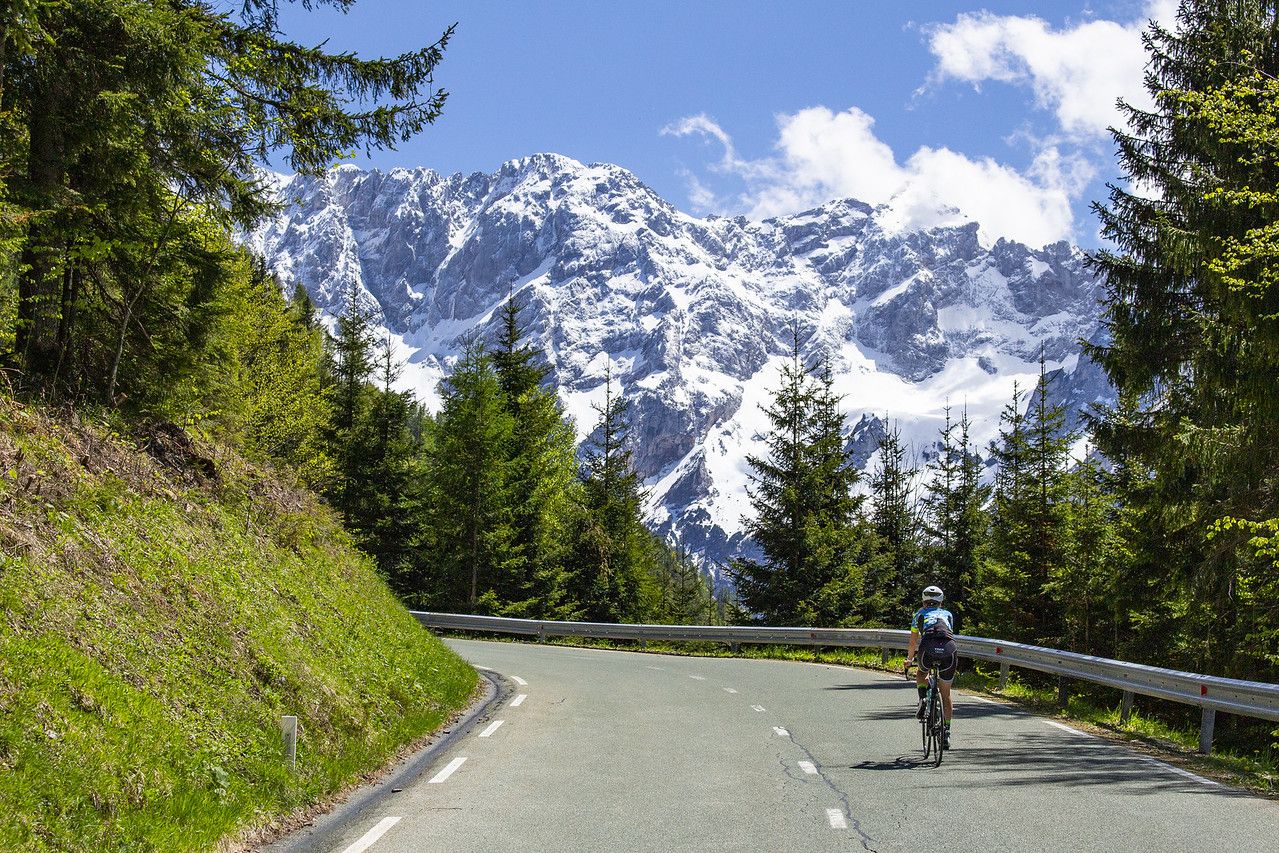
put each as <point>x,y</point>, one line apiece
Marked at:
<point>1191,308</point>
<point>892,585</point>
<point>955,519</point>
<point>808,522</point>
<point>608,573</point>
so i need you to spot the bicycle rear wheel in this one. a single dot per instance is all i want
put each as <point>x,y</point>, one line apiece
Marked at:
<point>937,728</point>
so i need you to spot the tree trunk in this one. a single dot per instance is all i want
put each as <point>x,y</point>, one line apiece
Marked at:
<point>39,287</point>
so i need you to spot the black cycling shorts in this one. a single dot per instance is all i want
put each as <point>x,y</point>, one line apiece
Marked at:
<point>939,649</point>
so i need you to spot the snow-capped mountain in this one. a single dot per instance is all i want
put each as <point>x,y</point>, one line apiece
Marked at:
<point>692,316</point>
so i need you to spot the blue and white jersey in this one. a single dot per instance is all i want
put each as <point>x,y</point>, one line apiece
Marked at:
<point>933,620</point>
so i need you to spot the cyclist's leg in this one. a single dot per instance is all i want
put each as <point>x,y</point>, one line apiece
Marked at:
<point>921,681</point>
<point>951,657</point>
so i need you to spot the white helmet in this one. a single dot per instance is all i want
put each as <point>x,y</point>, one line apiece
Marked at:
<point>933,593</point>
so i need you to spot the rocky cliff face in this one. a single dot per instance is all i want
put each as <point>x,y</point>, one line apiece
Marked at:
<point>691,316</point>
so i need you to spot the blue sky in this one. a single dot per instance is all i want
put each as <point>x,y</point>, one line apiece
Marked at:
<point>942,111</point>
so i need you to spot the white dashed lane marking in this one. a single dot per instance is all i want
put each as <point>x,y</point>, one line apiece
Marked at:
<point>367,839</point>
<point>519,700</point>
<point>729,690</point>
<point>836,819</point>
<point>658,668</point>
<point>757,707</point>
<point>808,767</point>
<point>698,677</point>
<point>521,682</point>
<point>780,732</point>
<point>447,771</point>
<point>493,726</point>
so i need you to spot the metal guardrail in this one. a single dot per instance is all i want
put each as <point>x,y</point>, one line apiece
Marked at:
<point>1211,693</point>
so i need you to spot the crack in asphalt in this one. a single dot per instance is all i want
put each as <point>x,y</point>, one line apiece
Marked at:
<point>854,823</point>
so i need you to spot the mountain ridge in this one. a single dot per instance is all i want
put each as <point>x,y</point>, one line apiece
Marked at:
<point>691,316</point>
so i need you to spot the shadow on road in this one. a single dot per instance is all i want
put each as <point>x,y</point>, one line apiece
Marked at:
<point>1025,758</point>
<point>877,685</point>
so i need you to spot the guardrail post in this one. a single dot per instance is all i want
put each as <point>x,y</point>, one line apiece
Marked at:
<point>883,656</point>
<point>1003,674</point>
<point>1205,730</point>
<point>1061,691</point>
<point>289,731</point>
<point>1125,708</point>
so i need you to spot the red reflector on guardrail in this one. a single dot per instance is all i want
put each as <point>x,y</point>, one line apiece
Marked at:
<point>999,650</point>
<point>1203,689</point>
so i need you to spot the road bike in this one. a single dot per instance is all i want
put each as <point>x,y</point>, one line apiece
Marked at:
<point>932,727</point>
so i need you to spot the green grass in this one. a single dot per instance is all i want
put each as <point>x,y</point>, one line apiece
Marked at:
<point>156,628</point>
<point>1256,770</point>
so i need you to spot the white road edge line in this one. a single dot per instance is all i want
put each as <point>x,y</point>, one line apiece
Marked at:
<point>780,732</point>
<point>837,819</point>
<point>729,690</point>
<point>521,682</point>
<point>447,771</point>
<point>519,700</point>
<point>493,726</point>
<point>369,838</point>
<point>984,699</point>
<point>658,668</point>
<point>1066,728</point>
<point>698,677</point>
<point>1180,772</point>
<point>757,707</point>
<point>808,767</point>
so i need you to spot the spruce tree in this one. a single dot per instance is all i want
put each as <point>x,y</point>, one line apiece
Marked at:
<point>1029,538</point>
<point>541,476</point>
<point>890,588</point>
<point>140,132</point>
<point>1190,302</point>
<point>954,517</point>
<point>808,521</point>
<point>470,507</point>
<point>609,568</point>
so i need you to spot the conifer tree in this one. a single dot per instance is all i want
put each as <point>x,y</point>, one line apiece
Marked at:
<point>954,518</point>
<point>609,569</point>
<point>470,508</point>
<point>1029,537</point>
<point>808,521</point>
<point>1190,302</point>
<point>892,585</point>
<point>541,476</point>
<point>141,129</point>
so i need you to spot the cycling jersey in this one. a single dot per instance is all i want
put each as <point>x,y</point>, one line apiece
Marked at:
<point>933,620</point>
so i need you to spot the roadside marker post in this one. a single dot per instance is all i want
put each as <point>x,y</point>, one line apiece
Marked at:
<point>289,730</point>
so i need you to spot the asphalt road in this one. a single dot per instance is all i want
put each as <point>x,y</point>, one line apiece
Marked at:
<point>596,750</point>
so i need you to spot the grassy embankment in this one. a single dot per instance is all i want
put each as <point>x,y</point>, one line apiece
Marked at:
<point>1256,770</point>
<point>159,618</point>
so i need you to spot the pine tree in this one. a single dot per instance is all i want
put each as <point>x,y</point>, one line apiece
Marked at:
<point>541,476</point>
<point>1189,307</point>
<point>890,589</point>
<point>469,490</point>
<point>1029,531</point>
<point>609,574</point>
<point>954,517</point>
<point>808,521</point>
<point>140,132</point>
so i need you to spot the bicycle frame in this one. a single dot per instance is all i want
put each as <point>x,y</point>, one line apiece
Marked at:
<point>932,727</point>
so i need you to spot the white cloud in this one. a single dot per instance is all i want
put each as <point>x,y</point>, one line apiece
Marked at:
<point>1077,72</point>
<point>823,155</point>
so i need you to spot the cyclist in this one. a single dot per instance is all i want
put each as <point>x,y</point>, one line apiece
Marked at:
<point>932,634</point>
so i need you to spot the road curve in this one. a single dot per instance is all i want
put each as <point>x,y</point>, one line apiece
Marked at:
<point>597,750</point>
